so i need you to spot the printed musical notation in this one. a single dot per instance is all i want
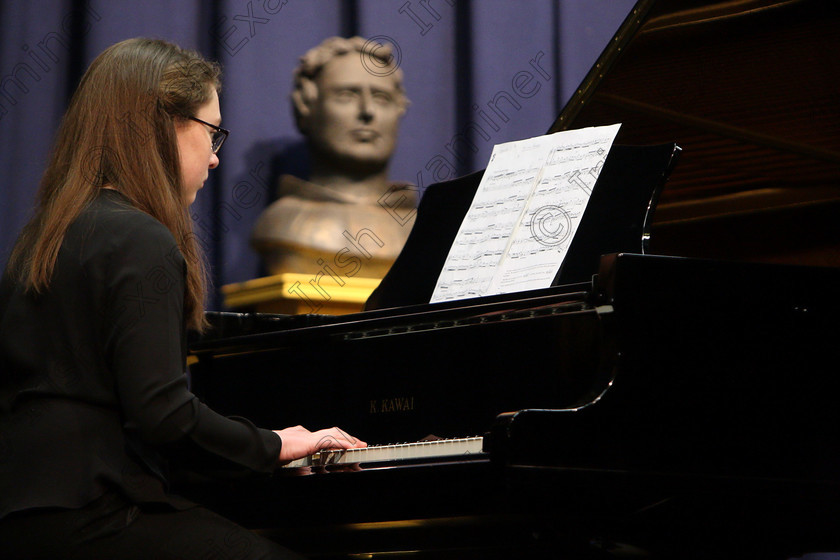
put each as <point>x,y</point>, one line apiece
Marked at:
<point>524,214</point>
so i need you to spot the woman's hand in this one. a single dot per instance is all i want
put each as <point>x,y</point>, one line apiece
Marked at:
<point>298,442</point>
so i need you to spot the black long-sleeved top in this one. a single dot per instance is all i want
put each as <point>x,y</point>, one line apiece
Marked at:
<point>93,390</point>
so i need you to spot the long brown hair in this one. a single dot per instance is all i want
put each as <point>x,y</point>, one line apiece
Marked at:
<point>119,131</point>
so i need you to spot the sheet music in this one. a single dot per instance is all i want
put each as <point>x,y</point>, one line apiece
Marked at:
<point>524,214</point>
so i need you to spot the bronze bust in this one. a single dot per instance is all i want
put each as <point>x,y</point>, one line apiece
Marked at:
<point>348,216</point>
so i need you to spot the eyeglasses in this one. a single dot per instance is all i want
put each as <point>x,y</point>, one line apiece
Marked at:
<point>219,134</point>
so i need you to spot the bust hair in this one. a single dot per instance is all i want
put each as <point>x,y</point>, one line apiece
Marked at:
<point>305,90</point>
<point>119,131</point>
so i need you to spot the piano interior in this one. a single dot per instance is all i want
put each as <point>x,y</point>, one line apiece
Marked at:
<point>672,395</point>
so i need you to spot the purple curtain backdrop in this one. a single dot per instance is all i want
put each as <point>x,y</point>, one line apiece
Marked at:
<point>459,57</point>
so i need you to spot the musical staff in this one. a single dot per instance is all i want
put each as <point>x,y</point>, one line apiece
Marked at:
<point>524,214</point>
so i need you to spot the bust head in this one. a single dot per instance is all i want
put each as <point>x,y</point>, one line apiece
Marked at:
<point>348,98</point>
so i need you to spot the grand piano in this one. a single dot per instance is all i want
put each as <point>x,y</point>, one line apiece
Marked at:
<point>673,394</point>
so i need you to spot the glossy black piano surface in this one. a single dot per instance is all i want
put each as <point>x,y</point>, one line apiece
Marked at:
<point>705,392</point>
<point>432,370</point>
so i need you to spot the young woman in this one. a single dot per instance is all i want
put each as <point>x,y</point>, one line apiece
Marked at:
<point>94,306</point>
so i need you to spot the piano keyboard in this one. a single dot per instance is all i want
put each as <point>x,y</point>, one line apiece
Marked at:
<point>397,452</point>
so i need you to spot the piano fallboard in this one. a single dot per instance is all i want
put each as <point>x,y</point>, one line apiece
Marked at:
<point>439,370</point>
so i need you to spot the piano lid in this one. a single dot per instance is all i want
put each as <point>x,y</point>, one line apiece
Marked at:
<point>750,90</point>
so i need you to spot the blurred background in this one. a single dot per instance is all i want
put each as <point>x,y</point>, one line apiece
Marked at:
<point>457,56</point>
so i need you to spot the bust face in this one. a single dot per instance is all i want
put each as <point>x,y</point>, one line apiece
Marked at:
<point>355,117</point>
